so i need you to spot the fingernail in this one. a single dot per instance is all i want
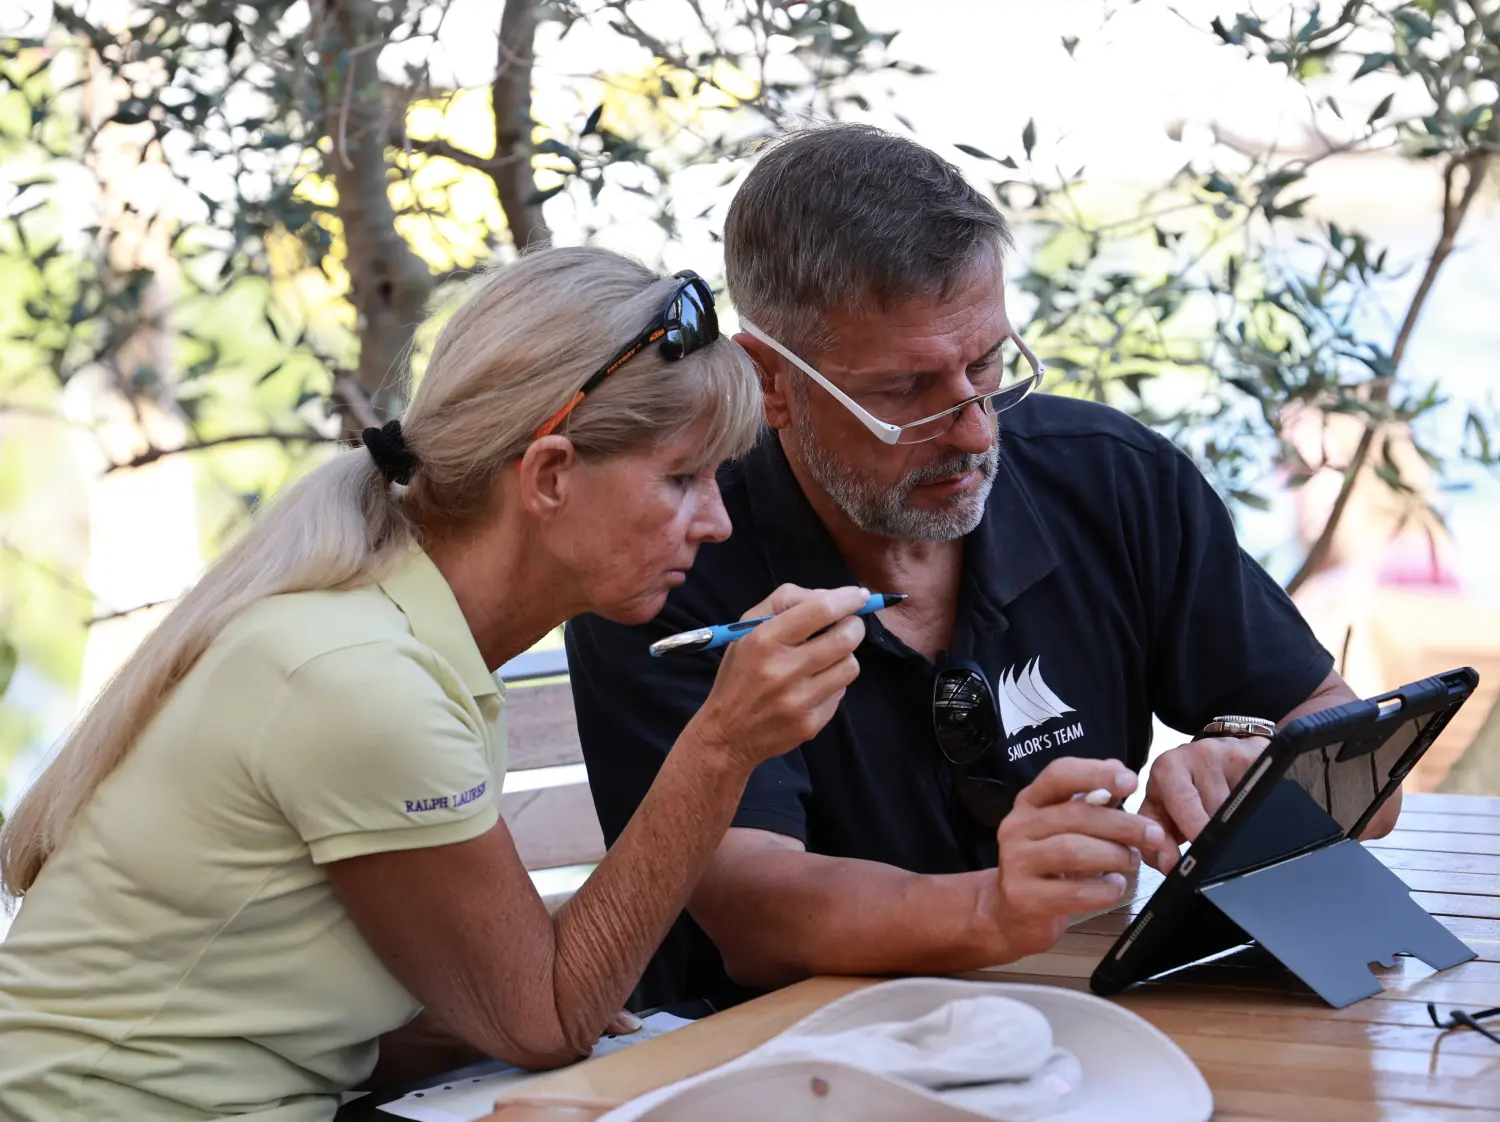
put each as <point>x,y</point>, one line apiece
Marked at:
<point>1117,880</point>
<point>629,1022</point>
<point>1155,834</point>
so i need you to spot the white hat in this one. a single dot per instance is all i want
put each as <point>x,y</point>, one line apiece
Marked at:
<point>950,1051</point>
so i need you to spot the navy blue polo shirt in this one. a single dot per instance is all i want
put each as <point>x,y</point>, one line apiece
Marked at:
<point>1104,584</point>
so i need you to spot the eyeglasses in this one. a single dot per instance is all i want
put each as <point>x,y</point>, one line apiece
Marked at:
<point>992,403</point>
<point>687,323</point>
<point>1457,1018</point>
<point>966,722</point>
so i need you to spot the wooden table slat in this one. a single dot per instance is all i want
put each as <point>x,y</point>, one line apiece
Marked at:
<point>1236,1105</point>
<point>1447,841</point>
<point>1423,822</point>
<point>1450,804</point>
<point>1438,861</point>
<point>1364,1087</point>
<point>1239,1024</point>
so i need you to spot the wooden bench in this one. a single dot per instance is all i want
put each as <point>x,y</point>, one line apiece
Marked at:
<point>545,800</point>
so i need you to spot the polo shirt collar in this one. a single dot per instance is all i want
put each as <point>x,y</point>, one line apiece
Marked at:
<point>418,588</point>
<point>1007,553</point>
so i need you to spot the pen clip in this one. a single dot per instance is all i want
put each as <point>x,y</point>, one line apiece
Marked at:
<point>694,640</point>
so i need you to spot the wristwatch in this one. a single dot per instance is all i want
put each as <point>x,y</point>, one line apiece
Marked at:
<point>1238,726</point>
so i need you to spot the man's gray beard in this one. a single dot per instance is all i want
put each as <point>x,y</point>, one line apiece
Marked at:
<point>883,511</point>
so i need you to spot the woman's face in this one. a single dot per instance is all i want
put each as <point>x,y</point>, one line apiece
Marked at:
<point>634,526</point>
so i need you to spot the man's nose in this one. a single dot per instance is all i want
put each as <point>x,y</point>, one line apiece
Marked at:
<point>973,430</point>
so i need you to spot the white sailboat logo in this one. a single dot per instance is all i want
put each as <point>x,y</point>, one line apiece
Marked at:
<point>1025,699</point>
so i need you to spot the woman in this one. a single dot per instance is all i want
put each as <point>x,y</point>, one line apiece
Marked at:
<point>275,838</point>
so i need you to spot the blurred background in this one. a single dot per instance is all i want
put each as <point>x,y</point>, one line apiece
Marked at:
<point>1272,234</point>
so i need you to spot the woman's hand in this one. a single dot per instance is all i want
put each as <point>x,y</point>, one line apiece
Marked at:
<point>1060,855</point>
<point>778,686</point>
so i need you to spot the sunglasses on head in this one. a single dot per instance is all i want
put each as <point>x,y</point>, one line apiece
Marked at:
<point>966,723</point>
<point>686,323</point>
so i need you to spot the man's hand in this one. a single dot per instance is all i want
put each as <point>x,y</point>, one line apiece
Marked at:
<point>1189,783</point>
<point>1060,855</point>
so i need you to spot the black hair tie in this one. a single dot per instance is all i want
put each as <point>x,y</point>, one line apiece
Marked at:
<point>388,449</point>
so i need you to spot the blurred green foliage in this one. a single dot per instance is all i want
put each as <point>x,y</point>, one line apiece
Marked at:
<point>1214,308</point>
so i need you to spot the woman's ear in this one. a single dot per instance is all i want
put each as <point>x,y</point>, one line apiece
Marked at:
<point>773,380</point>
<point>548,471</point>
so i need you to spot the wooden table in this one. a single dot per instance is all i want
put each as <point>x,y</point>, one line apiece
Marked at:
<point>1267,1046</point>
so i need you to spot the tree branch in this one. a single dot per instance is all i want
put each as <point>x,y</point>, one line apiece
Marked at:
<point>1454,213</point>
<point>390,283</point>
<point>510,98</point>
<point>105,617</point>
<point>57,576</point>
<point>41,413</point>
<point>152,454</point>
<point>351,400</point>
<point>442,148</point>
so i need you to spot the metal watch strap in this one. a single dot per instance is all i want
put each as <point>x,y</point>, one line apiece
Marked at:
<point>1234,725</point>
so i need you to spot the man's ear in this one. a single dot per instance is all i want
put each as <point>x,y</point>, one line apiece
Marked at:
<point>547,475</point>
<point>774,388</point>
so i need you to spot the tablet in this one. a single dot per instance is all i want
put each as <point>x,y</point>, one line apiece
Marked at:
<point>1321,779</point>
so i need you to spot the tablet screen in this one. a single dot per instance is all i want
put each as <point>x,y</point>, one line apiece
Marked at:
<point>1345,788</point>
<point>1287,821</point>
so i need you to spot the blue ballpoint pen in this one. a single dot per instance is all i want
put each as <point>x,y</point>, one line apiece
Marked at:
<point>710,638</point>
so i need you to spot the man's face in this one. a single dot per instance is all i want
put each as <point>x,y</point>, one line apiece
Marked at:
<point>908,362</point>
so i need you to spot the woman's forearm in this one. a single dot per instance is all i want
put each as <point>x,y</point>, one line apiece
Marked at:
<point>609,929</point>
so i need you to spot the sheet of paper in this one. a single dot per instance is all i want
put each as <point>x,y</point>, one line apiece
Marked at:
<point>475,1097</point>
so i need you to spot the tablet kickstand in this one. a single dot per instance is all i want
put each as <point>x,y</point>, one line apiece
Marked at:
<point>1327,914</point>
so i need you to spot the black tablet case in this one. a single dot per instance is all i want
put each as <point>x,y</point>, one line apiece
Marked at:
<point>1294,879</point>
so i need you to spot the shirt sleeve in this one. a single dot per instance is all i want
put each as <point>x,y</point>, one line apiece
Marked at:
<point>367,753</point>
<point>632,707</point>
<point>1227,638</point>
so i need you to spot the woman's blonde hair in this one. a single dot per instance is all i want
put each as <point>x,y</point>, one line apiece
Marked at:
<point>510,357</point>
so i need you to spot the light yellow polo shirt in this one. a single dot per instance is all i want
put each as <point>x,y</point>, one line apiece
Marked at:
<point>182,955</point>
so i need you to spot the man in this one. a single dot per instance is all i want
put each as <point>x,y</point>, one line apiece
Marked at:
<point>1069,573</point>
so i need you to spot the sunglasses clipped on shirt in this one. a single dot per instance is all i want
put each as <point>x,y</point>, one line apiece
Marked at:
<point>966,723</point>
<point>992,403</point>
<point>686,323</point>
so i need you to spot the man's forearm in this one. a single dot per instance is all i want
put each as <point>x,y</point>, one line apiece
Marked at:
<point>791,915</point>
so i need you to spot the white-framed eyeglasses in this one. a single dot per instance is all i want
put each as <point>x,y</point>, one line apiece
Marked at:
<point>992,403</point>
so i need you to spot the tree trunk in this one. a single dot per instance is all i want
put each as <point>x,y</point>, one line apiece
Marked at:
<point>1455,209</point>
<point>510,97</point>
<point>391,284</point>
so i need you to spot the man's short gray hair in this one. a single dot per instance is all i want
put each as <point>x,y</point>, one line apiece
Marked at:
<point>849,217</point>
